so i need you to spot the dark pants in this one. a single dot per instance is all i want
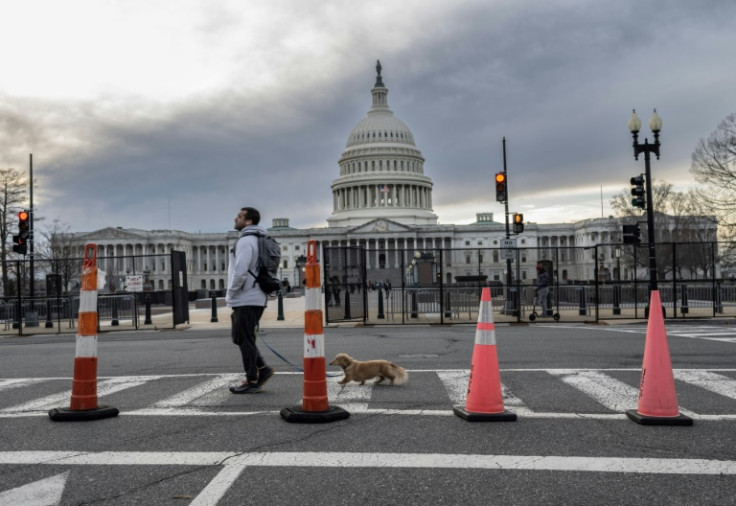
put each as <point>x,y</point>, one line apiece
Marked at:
<point>245,321</point>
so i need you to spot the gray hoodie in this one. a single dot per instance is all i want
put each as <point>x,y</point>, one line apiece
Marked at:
<point>242,289</point>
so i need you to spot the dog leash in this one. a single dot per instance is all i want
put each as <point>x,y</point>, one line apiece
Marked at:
<point>329,375</point>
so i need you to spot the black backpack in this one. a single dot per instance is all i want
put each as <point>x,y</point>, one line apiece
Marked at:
<point>269,258</point>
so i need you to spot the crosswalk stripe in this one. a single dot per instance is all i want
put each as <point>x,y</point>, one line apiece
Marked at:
<point>610,392</point>
<point>203,398</point>
<point>717,383</point>
<point>104,387</point>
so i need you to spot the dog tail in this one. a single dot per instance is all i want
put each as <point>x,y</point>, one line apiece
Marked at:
<point>401,375</point>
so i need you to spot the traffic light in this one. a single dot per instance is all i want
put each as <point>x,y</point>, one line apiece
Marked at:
<point>638,192</point>
<point>502,194</point>
<point>632,234</point>
<point>21,240</point>
<point>518,223</point>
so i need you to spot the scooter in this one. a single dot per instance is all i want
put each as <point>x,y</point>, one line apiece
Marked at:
<point>533,316</point>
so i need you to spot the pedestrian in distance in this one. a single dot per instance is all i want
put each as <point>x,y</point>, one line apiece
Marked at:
<point>247,300</point>
<point>542,289</point>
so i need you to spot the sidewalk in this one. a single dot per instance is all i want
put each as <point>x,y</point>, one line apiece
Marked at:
<point>293,315</point>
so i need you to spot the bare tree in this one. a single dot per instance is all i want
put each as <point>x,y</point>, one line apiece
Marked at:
<point>679,217</point>
<point>13,194</point>
<point>714,165</point>
<point>59,250</point>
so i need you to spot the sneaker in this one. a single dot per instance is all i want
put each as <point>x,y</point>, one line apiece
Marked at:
<point>246,388</point>
<point>264,375</point>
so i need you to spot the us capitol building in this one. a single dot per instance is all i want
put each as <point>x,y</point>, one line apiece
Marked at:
<point>382,201</point>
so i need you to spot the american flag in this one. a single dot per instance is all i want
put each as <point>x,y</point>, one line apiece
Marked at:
<point>384,188</point>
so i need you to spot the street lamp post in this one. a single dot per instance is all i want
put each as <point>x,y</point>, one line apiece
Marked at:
<point>655,125</point>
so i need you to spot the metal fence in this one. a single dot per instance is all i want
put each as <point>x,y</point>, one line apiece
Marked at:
<point>53,304</point>
<point>443,286</point>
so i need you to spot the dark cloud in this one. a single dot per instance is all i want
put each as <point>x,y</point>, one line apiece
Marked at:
<point>557,79</point>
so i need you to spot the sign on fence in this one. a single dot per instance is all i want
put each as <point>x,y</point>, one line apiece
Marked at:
<point>134,282</point>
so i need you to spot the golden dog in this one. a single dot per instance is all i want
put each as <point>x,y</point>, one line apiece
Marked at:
<point>355,370</point>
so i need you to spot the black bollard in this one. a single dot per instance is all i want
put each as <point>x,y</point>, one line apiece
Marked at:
<point>49,321</point>
<point>414,307</point>
<point>684,308</point>
<point>381,316</point>
<point>617,299</point>
<point>280,317</point>
<point>582,310</point>
<point>214,308</point>
<point>347,305</point>
<point>448,306</point>
<point>718,298</point>
<point>114,321</point>
<point>148,320</point>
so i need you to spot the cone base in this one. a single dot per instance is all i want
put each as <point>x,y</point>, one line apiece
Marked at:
<point>472,416</point>
<point>296,414</point>
<point>82,415</point>
<point>658,420</point>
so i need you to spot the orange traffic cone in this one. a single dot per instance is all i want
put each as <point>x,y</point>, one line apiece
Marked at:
<point>484,402</point>
<point>83,405</point>
<point>657,396</point>
<point>315,407</point>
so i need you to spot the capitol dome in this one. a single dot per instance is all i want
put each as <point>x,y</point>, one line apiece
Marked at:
<point>381,171</point>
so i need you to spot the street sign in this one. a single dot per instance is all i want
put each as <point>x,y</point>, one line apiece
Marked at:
<point>134,283</point>
<point>508,243</point>
<point>509,249</point>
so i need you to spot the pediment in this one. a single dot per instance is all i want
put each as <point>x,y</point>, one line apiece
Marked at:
<point>379,226</point>
<point>111,233</point>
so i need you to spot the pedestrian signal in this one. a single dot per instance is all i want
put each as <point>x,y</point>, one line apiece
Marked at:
<point>632,234</point>
<point>518,223</point>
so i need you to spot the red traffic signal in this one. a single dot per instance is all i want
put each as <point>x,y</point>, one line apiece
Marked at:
<point>501,190</point>
<point>21,240</point>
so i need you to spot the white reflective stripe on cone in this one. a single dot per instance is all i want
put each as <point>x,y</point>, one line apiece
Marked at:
<point>312,299</point>
<point>86,346</point>
<point>87,301</point>
<point>314,345</point>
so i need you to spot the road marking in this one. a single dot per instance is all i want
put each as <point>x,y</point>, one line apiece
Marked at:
<point>104,387</point>
<point>722,385</point>
<point>205,398</point>
<point>218,487</point>
<point>629,465</point>
<point>610,392</point>
<point>46,492</point>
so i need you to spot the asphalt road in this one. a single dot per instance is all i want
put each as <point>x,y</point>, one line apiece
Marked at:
<point>181,437</point>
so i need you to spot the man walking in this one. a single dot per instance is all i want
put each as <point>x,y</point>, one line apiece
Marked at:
<point>247,300</point>
<point>542,288</point>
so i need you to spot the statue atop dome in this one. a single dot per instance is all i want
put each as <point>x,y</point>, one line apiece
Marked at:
<point>379,81</point>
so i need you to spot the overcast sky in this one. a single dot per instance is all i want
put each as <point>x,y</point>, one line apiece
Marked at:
<point>174,114</point>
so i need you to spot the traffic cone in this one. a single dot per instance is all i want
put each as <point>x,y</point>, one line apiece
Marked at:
<point>484,402</point>
<point>315,407</point>
<point>83,405</point>
<point>657,396</point>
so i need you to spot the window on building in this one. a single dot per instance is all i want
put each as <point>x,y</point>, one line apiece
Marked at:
<point>468,259</point>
